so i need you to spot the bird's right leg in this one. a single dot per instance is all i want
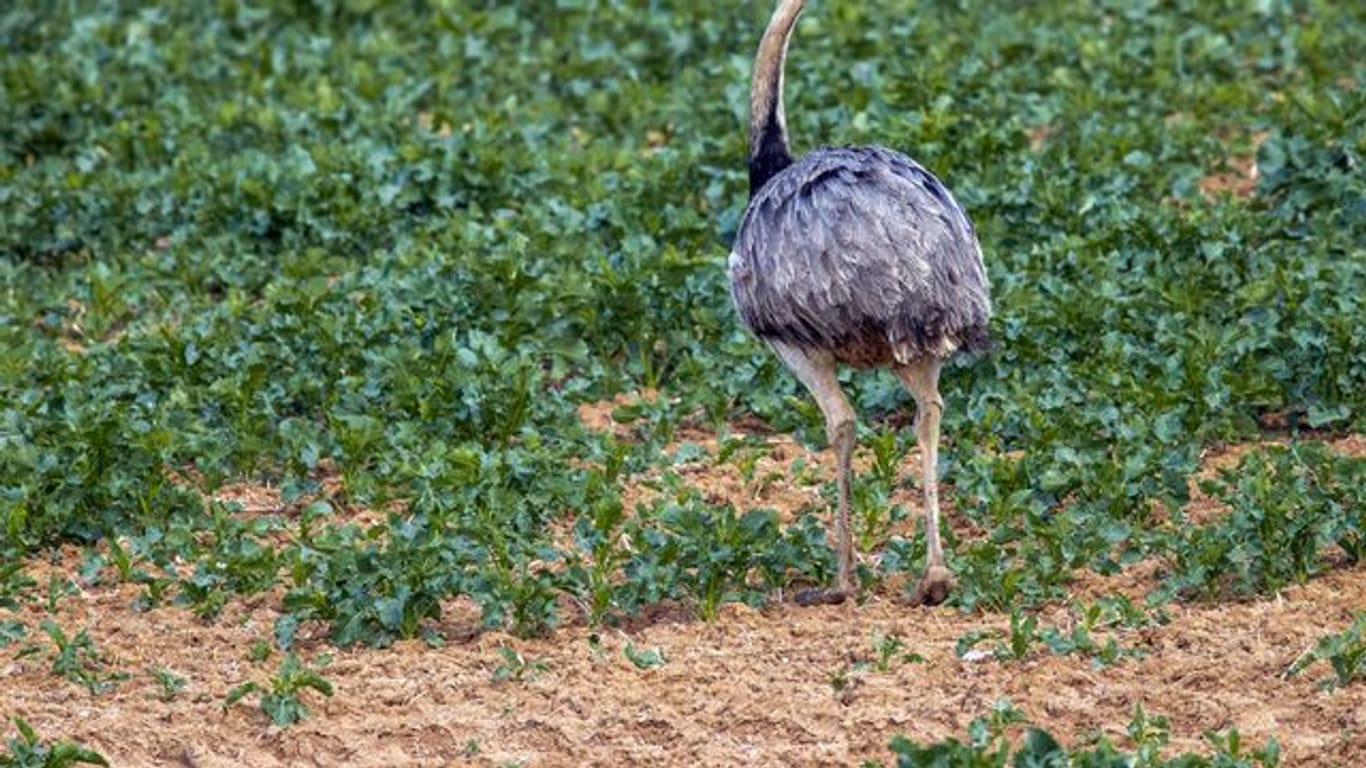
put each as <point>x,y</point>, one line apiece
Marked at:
<point>816,370</point>
<point>922,378</point>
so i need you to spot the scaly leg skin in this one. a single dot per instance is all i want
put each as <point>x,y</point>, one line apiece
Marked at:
<point>816,371</point>
<point>922,379</point>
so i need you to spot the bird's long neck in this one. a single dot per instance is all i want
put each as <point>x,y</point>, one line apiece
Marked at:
<point>768,150</point>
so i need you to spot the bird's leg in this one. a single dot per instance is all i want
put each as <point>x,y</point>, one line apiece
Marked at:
<point>842,438</point>
<point>922,379</point>
<point>817,372</point>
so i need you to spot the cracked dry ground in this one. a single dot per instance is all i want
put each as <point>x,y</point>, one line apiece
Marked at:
<point>752,687</point>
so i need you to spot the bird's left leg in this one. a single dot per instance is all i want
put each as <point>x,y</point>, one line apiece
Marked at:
<point>817,371</point>
<point>922,379</point>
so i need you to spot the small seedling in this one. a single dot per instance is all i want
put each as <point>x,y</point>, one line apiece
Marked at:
<point>1004,714</point>
<point>27,751</point>
<point>77,660</point>
<point>886,646</point>
<point>260,651</point>
<point>971,639</point>
<point>644,658</point>
<point>1344,651</point>
<point>155,590</point>
<point>890,648</point>
<point>1120,610</point>
<point>516,667</point>
<point>57,588</point>
<point>14,585</point>
<point>746,458</point>
<point>839,678</point>
<point>169,683</point>
<point>119,556</point>
<point>10,631</point>
<point>282,702</point>
<point>845,679</point>
<point>1149,734</point>
<point>1023,634</point>
<point>804,473</point>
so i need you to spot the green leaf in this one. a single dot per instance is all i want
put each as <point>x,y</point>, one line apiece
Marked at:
<point>239,692</point>
<point>647,658</point>
<point>1320,417</point>
<point>286,626</point>
<point>1040,750</point>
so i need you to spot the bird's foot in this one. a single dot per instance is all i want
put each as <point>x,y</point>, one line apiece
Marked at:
<point>934,586</point>
<point>819,596</point>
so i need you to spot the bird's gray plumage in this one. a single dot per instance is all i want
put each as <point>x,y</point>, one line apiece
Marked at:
<point>861,252</point>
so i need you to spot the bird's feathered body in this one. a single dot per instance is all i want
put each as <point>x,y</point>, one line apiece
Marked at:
<point>861,252</point>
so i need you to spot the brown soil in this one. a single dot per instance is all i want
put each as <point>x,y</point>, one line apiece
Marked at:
<point>1239,175</point>
<point>1039,135</point>
<point>752,687</point>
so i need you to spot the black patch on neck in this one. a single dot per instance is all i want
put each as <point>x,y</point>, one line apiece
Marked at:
<point>771,158</point>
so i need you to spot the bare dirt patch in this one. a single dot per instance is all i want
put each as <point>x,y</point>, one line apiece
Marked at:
<point>598,416</point>
<point>752,687</point>
<point>1239,174</point>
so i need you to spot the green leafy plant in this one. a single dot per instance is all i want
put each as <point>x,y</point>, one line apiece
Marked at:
<point>168,683</point>
<point>281,698</point>
<point>702,552</point>
<point>874,515</point>
<point>10,631</point>
<point>1025,634</point>
<point>888,648</point>
<point>28,751</point>
<point>644,658</point>
<point>1107,614</point>
<point>988,747</point>
<point>76,659</point>
<point>373,591</point>
<point>517,667</point>
<point>1286,505</point>
<point>598,537</point>
<point>1018,642</point>
<point>844,680</point>
<point>1344,651</point>
<point>259,651</point>
<point>15,585</point>
<point>57,588</point>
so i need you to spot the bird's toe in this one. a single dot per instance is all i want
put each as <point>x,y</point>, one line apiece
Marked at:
<point>934,586</point>
<point>820,596</point>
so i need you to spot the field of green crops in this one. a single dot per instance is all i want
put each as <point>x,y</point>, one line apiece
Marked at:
<point>376,254</point>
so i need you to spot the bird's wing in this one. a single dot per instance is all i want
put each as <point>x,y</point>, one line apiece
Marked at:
<point>856,247</point>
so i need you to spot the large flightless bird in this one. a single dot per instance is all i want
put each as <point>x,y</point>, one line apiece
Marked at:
<point>856,256</point>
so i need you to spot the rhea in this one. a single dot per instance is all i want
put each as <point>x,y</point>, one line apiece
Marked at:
<point>855,256</point>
